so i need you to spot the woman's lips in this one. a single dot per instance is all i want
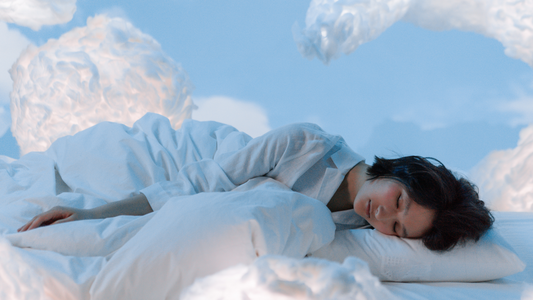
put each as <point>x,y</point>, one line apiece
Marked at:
<point>368,209</point>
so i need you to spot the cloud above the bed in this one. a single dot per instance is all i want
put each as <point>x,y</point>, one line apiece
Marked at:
<point>36,13</point>
<point>340,26</point>
<point>505,177</point>
<point>244,115</point>
<point>106,71</point>
<point>13,42</point>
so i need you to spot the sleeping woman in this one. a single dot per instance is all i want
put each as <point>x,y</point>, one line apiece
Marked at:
<point>410,197</point>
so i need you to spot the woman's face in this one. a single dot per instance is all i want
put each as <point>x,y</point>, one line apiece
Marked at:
<point>385,204</point>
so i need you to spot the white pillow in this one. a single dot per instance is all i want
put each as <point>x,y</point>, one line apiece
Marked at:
<point>199,235</point>
<point>395,259</point>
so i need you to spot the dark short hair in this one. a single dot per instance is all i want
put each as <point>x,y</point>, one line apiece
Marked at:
<point>459,213</point>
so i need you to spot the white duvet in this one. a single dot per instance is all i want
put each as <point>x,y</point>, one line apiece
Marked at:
<point>157,256</point>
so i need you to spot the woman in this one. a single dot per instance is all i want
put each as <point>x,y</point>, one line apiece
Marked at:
<point>408,197</point>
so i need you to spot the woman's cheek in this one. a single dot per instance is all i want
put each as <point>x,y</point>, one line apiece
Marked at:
<point>381,228</point>
<point>359,207</point>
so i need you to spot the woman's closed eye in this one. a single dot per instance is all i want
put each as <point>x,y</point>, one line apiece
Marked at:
<point>396,223</point>
<point>398,202</point>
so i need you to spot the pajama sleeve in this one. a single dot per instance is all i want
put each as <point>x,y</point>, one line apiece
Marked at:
<point>283,154</point>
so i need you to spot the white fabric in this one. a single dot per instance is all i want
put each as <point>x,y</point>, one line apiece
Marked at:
<point>301,156</point>
<point>110,161</point>
<point>198,235</point>
<point>397,259</point>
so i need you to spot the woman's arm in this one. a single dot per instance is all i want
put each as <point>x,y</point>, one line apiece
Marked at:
<point>284,154</point>
<point>135,206</point>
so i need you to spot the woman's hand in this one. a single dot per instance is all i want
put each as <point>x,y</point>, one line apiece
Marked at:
<point>135,206</point>
<point>56,215</point>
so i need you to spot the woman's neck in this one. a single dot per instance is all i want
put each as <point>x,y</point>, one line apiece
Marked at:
<point>345,195</point>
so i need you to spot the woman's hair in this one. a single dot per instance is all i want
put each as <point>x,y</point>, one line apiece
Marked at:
<point>459,213</point>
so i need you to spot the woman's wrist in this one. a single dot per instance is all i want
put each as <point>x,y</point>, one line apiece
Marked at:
<point>136,206</point>
<point>94,213</point>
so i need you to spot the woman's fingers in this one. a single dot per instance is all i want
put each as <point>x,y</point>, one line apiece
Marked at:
<point>25,227</point>
<point>47,218</point>
<point>34,223</point>
<point>29,224</point>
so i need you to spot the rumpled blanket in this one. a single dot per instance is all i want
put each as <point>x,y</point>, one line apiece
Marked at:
<point>158,255</point>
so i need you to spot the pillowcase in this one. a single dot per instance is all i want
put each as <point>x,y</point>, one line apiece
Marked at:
<point>396,259</point>
<point>199,235</point>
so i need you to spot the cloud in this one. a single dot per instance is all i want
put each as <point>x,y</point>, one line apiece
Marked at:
<point>340,26</point>
<point>36,13</point>
<point>521,109</point>
<point>106,71</point>
<point>5,120</point>
<point>284,278</point>
<point>245,116</point>
<point>114,11</point>
<point>527,292</point>
<point>13,42</point>
<point>504,177</point>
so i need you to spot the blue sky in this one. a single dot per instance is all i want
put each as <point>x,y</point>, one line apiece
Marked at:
<point>410,91</point>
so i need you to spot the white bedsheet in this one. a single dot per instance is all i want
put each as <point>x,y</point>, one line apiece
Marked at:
<point>111,162</point>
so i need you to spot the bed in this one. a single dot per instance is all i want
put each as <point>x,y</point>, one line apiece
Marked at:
<point>259,241</point>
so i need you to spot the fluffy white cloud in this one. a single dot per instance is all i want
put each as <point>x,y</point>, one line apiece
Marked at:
<point>245,116</point>
<point>106,71</point>
<point>505,177</point>
<point>284,278</point>
<point>36,13</point>
<point>13,42</point>
<point>340,26</point>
